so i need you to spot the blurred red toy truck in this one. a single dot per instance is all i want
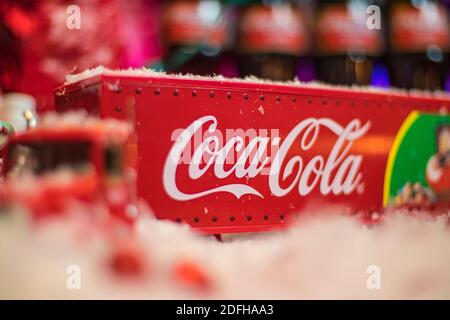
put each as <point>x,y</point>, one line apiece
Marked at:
<point>71,157</point>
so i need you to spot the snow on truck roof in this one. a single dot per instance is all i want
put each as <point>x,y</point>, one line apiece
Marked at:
<point>144,72</point>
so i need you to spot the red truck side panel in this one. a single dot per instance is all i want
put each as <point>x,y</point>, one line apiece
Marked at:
<point>332,145</point>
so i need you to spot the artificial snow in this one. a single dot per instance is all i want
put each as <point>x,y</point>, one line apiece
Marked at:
<point>328,256</point>
<point>144,72</point>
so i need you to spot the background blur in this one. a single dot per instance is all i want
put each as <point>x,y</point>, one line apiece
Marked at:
<point>397,43</point>
<point>379,43</point>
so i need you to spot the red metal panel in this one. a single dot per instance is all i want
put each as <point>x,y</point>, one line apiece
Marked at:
<point>359,126</point>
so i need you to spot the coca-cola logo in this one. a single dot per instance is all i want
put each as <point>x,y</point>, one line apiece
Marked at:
<point>249,153</point>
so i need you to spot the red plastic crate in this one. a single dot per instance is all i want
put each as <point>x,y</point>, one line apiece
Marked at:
<point>221,200</point>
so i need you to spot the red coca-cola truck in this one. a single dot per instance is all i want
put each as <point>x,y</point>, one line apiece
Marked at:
<point>227,155</point>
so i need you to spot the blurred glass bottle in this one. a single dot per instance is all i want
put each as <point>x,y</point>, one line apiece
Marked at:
<point>419,39</point>
<point>349,40</point>
<point>272,35</point>
<point>196,32</point>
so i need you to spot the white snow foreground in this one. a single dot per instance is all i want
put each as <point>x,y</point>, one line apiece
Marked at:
<point>329,256</point>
